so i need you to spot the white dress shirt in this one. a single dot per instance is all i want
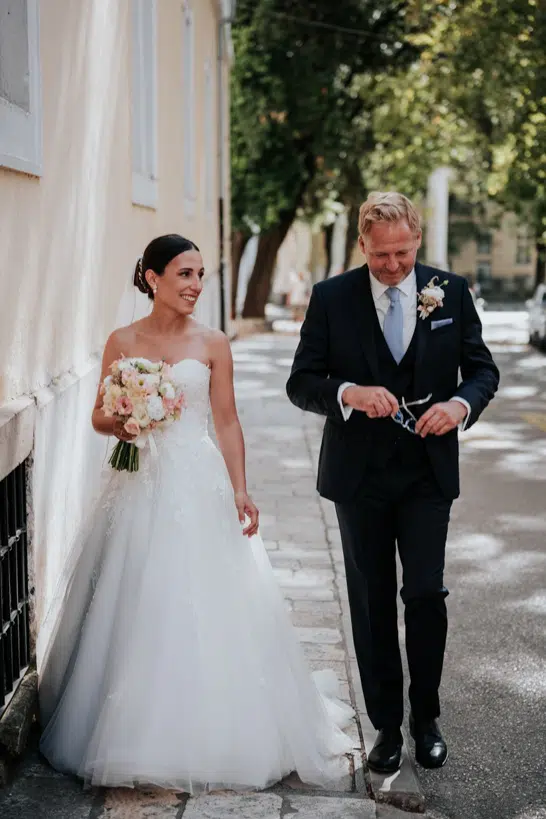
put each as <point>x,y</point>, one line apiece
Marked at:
<point>408,300</point>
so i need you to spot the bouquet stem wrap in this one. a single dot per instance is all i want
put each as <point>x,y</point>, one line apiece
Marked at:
<point>125,457</point>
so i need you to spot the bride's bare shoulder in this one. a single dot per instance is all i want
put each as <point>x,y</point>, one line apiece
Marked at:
<point>214,342</point>
<point>122,339</point>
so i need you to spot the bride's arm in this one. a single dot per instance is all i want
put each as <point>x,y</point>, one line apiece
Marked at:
<point>228,427</point>
<point>101,423</point>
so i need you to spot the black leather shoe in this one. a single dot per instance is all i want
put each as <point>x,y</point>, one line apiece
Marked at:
<point>430,746</point>
<point>385,754</point>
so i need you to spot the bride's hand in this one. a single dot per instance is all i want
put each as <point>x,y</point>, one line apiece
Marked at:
<point>246,506</point>
<point>121,433</point>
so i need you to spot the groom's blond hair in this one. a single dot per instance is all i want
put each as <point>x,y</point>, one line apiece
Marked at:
<point>389,206</point>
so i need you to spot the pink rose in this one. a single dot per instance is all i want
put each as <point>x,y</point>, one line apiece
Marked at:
<point>132,427</point>
<point>124,405</point>
<point>168,405</point>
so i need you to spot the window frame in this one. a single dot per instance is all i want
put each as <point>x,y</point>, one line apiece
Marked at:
<point>210,138</point>
<point>188,109</point>
<point>144,103</point>
<point>524,250</point>
<point>21,132</point>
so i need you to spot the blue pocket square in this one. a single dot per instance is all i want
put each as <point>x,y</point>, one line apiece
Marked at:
<point>434,325</point>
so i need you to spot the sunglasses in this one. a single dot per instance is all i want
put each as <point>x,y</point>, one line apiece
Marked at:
<point>409,421</point>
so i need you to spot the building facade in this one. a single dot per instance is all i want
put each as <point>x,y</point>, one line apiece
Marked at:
<point>113,130</point>
<point>502,260</point>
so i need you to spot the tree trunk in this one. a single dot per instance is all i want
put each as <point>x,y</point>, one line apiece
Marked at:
<point>259,285</point>
<point>239,241</point>
<point>328,232</point>
<point>540,269</point>
<point>352,234</point>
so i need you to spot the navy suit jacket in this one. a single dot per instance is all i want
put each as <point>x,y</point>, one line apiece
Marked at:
<point>338,344</point>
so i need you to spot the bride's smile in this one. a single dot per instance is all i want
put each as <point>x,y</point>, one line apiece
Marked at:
<point>178,288</point>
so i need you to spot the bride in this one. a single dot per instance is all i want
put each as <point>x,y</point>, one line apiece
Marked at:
<point>172,661</point>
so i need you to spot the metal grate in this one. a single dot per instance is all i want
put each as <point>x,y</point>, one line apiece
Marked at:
<point>14,597</point>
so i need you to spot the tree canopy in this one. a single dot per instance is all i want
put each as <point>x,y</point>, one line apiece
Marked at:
<point>294,104</point>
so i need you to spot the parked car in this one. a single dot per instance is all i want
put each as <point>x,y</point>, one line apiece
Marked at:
<point>537,317</point>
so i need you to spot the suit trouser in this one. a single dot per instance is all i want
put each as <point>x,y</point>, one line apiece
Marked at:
<point>400,504</point>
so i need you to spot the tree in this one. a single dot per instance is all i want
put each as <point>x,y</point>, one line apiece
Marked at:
<point>501,46</point>
<point>294,108</point>
<point>474,100</point>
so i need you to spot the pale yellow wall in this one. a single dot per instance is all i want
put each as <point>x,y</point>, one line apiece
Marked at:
<point>503,253</point>
<point>69,240</point>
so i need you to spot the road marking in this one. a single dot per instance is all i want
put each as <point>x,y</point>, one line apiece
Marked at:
<point>537,419</point>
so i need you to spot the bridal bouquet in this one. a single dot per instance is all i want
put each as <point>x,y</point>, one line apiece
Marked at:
<point>143,394</point>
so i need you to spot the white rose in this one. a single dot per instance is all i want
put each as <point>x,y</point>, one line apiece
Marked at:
<point>108,381</point>
<point>147,366</point>
<point>435,293</point>
<point>149,382</point>
<point>155,407</point>
<point>167,390</point>
<point>125,364</point>
<point>140,414</point>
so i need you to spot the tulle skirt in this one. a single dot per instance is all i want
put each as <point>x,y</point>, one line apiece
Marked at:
<point>172,659</point>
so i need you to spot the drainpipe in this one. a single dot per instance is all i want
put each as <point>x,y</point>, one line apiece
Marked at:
<point>227,13</point>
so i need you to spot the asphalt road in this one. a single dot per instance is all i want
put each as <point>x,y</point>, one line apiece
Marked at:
<point>494,688</point>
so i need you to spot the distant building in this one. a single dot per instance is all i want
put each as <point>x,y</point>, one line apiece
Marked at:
<point>501,260</point>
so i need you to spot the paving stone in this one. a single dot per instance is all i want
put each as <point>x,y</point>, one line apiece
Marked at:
<point>334,535</point>
<point>319,635</point>
<point>246,806</point>
<point>46,798</point>
<point>344,784</point>
<point>328,807</point>
<point>318,594</point>
<point>302,619</point>
<point>153,803</point>
<point>271,545</point>
<point>311,558</point>
<point>317,607</point>
<point>353,732</point>
<point>320,665</point>
<point>312,549</point>
<point>299,535</point>
<point>304,578</point>
<point>325,653</point>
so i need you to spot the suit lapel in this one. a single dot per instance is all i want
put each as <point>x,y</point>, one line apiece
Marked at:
<point>365,316</point>
<point>422,327</point>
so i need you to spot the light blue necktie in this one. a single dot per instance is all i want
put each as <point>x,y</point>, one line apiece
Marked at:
<point>393,328</point>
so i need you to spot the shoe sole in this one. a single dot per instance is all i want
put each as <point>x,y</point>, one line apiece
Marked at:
<point>428,767</point>
<point>433,767</point>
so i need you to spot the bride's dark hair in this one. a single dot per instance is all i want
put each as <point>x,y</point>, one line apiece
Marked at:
<point>157,256</point>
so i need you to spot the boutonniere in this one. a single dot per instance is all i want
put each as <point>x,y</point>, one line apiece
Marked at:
<point>430,297</point>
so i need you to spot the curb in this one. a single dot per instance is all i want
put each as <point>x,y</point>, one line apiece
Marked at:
<point>16,723</point>
<point>401,789</point>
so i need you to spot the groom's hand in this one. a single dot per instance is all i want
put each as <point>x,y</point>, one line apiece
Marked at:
<point>441,418</point>
<point>376,402</point>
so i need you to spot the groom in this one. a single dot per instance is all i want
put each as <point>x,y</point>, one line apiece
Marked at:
<point>380,352</point>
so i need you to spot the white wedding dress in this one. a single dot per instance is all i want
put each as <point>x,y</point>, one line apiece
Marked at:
<point>173,661</point>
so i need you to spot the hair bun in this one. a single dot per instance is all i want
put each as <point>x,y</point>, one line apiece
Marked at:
<point>139,280</point>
